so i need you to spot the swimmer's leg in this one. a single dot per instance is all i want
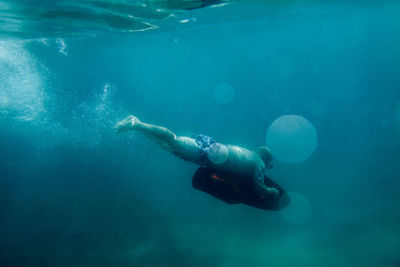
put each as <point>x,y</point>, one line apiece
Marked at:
<point>183,147</point>
<point>157,132</point>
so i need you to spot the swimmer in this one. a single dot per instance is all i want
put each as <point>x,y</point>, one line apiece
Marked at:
<point>239,160</point>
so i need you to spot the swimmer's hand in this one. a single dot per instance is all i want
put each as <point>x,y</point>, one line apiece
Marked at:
<point>267,192</point>
<point>126,124</point>
<point>273,193</point>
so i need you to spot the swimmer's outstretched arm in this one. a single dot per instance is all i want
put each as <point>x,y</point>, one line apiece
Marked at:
<point>159,132</point>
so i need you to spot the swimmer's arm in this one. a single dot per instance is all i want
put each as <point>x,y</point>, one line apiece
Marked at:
<point>258,178</point>
<point>259,187</point>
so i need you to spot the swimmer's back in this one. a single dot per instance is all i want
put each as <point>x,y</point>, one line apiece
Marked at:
<point>240,160</point>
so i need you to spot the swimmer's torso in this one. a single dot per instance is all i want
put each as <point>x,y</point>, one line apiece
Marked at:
<point>239,160</point>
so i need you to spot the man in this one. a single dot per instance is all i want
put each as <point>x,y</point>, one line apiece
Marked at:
<point>204,151</point>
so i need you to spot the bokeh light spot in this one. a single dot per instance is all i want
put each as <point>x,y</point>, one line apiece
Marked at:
<point>299,209</point>
<point>291,138</point>
<point>218,153</point>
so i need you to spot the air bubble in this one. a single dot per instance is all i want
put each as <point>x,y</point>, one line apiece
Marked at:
<point>299,209</point>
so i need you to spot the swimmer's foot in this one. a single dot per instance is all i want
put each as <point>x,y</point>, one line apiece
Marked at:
<point>126,124</point>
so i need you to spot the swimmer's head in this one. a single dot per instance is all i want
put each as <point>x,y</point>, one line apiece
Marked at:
<point>265,155</point>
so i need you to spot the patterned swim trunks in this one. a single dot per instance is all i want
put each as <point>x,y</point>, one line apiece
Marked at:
<point>204,142</point>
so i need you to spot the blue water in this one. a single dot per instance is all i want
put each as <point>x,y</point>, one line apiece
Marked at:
<point>75,193</point>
